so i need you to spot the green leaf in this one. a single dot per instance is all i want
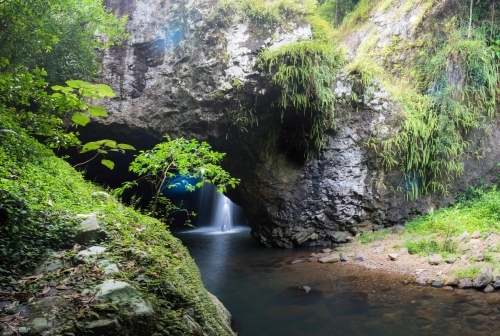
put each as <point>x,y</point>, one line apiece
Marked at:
<point>80,118</point>
<point>97,111</point>
<point>104,90</point>
<point>57,88</point>
<point>126,147</point>
<point>108,163</point>
<point>79,84</point>
<point>107,142</point>
<point>89,146</point>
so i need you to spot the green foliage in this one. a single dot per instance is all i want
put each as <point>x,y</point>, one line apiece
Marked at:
<point>24,97</point>
<point>171,164</point>
<point>469,272</point>
<point>479,214</point>
<point>41,194</point>
<point>61,36</point>
<point>429,246</point>
<point>264,15</point>
<point>368,237</point>
<point>453,92</point>
<point>304,72</point>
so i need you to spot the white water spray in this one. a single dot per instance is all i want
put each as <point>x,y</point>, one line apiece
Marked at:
<point>216,210</point>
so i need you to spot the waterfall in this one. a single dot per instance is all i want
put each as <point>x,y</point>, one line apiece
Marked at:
<point>215,210</point>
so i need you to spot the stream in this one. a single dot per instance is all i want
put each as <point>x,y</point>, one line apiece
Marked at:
<point>259,286</point>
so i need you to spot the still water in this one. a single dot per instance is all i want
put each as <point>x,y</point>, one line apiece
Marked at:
<point>259,286</point>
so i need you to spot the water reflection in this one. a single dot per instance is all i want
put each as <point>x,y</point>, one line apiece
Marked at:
<point>260,288</point>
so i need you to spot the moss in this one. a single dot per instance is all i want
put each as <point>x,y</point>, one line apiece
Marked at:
<point>48,185</point>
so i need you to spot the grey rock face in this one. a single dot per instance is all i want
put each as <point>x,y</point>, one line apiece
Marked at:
<point>90,254</point>
<point>483,277</point>
<point>90,231</point>
<point>122,292</point>
<point>178,75</point>
<point>222,309</point>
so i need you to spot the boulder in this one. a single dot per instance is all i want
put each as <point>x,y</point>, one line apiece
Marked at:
<point>331,258</point>
<point>465,283</point>
<point>360,256</point>
<point>436,284</point>
<point>90,231</point>
<point>222,309</point>
<point>344,257</point>
<point>90,254</point>
<point>393,256</point>
<point>483,277</point>
<point>450,260</point>
<point>475,235</point>
<point>122,293</point>
<point>489,289</point>
<point>496,284</point>
<point>450,281</point>
<point>398,229</point>
<point>109,267</point>
<point>326,250</point>
<point>464,236</point>
<point>435,259</point>
<point>39,324</point>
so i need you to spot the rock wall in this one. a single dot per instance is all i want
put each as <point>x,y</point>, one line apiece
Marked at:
<point>182,71</point>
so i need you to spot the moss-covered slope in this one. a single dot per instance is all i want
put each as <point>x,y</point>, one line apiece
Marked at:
<point>40,197</point>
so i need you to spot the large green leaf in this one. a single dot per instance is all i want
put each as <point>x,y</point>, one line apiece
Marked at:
<point>98,111</point>
<point>78,84</point>
<point>89,146</point>
<point>126,147</point>
<point>108,163</point>
<point>80,118</point>
<point>107,142</point>
<point>104,90</point>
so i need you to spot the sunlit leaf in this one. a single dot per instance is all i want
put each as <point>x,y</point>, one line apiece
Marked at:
<point>80,118</point>
<point>98,111</point>
<point>126,147</point>
<point>108,163</point>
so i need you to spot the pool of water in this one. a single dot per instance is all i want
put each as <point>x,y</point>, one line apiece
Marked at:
<point>259,286</point>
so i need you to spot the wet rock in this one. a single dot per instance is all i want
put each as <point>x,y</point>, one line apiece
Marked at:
<point>483,277</point>
<point>122,292</point>
<point>297,261</point>
<point>496,284</point>
<point>344,257</point>
<point>89,231</point>
<point>331,258</point>
<point>464,236</point>
<point>488,289</point>
<point>436,284</point>
<point>475,235</point>
<point>221,308</point>
<point>450,281</point>
<point>90,254</point>
<point>298,296</point>
<point>465,283</point>
<point>306,289</point>
<point>360,256</point>
<point>393,256</point>
<point>435,259</point>
<point>421,280</point>
<point>448,288</point>
<point>451,260</point>
<point>398,229</point>
<point>327,250</point>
